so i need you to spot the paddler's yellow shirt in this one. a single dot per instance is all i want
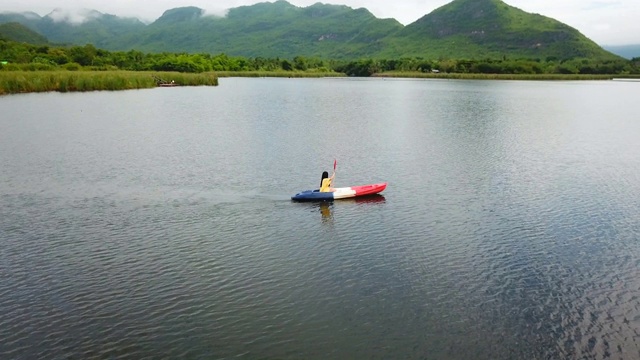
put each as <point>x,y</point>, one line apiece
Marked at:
<point>326,185</point>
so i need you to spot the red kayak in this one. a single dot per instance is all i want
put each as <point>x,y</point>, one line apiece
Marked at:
<point>340,193</point>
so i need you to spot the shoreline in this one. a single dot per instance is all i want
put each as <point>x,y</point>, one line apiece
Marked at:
<point>20,82</point>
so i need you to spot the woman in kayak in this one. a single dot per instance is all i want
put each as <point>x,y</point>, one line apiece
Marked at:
<point>325,182</point>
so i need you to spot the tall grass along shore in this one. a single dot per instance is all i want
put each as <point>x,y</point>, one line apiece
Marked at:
<point>13,82</point>
<point>19,81</point>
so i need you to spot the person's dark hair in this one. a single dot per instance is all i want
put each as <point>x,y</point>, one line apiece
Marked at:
<point>324,176</point>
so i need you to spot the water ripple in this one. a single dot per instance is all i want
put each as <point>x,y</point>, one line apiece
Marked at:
<point>508,230</point>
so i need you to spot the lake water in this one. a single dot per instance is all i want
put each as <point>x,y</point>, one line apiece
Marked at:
<point>158,223</point>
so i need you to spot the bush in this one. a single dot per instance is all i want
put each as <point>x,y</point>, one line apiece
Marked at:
<point>72,66</point>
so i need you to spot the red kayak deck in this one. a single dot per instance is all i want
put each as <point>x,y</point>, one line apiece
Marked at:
<point>369,189</point>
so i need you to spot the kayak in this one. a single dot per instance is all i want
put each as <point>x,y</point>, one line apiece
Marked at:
<point>339,193</point>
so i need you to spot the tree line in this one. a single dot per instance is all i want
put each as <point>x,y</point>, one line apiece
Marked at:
<point>23,56</point>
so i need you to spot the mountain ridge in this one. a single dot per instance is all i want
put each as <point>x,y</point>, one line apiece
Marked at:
<point>15,31</point>
<point>629,51</point>
<point>461,29</point>
<point>490,24</point>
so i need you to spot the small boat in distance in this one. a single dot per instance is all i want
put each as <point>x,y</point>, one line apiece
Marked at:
<point>163,83</point>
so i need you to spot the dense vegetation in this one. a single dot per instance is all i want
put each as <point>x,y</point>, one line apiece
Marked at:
<point>462,29</point>
<point>492,66</point>
<point>22,56</point>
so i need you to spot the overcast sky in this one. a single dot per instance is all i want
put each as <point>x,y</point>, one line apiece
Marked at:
<point>607,22</point>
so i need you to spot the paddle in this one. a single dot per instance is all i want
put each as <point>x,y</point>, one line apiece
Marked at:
<point>335,162</point>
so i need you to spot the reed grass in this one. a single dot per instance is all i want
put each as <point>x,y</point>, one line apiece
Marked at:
<point>12,82</point>
<point>422,75</point>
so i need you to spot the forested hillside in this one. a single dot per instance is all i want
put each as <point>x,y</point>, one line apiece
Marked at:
<point>462,29</point>
<point>490,29</point>
<point>20,33</point>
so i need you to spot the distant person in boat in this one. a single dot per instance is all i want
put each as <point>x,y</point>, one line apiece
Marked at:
<point>326,182</point>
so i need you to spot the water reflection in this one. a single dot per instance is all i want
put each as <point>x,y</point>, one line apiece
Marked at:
<point>371,199</point>
<point>326,208</point>
<point>510,232</point>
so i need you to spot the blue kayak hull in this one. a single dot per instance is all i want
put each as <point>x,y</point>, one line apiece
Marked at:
<point>312,195</point>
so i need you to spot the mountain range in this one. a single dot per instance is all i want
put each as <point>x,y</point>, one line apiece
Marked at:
<point>626,51</point>
<point>460,29</point>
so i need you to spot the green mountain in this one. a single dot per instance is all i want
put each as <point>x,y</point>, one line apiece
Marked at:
<point>491,29</point>
<point>277,29</point>
<point>17,32</point>
<point>84,27</point>
<point>460,29</point>
<point>27,19</point>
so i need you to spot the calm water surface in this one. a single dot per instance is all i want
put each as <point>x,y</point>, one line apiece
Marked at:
<point>158,223</point>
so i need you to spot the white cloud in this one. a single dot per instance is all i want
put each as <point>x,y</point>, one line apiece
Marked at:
<point>607,22</point>
<point>74,17</point>
<point>216,12</point>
